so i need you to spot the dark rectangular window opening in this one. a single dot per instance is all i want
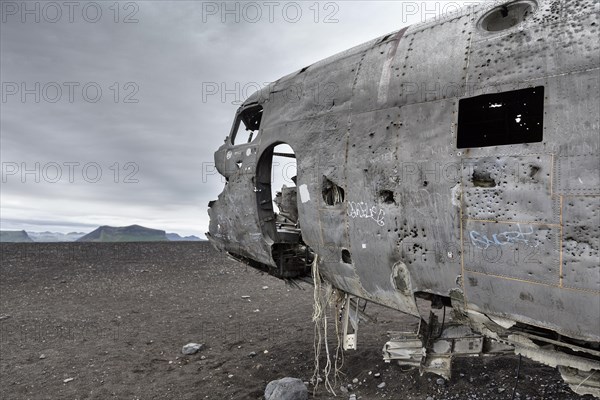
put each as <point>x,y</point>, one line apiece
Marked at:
<point>498,119</point>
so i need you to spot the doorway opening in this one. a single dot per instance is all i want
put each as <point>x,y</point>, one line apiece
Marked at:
<point>277,197</point>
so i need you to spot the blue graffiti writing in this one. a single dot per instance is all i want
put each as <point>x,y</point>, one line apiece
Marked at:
<point>504,238</point>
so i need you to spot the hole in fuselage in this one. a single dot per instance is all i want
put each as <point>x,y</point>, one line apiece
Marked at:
<point>483,179</point>
<point>387,196</point>
<point>346,256</point>
<point>332,193</point>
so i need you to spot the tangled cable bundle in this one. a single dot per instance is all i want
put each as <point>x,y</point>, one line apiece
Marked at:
<point>325,298</point>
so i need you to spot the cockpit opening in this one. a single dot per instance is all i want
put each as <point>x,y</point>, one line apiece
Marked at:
<point>247,124</point>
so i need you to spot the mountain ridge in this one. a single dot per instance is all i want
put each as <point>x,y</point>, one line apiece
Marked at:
<point>15,237</point>
<point>131,233</point>
<point>105,233</point>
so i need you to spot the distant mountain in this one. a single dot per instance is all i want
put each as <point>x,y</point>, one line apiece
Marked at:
<point>14,237</point>
<point>55,236</point>
<point>176,238</point>
<point>133,233</point>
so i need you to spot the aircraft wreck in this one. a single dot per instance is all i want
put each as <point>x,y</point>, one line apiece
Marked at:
<point>453,162</point>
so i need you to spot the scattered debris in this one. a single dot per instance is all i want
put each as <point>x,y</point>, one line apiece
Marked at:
<point>252,354</point>
<point>191,348</point>
<point>381,385</point>
<point>352,397</point>
<point>68,380</point>
<point>265,287</point>
<point>377,375</point>
<point>245,297</point>
<point>286,389</point>
<point>42,356</point>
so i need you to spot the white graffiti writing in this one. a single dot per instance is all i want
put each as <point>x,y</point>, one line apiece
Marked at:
<point>503,238</point>
<point>362,210</point>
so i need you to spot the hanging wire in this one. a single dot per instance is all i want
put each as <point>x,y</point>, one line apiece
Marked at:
<point>517,381</point>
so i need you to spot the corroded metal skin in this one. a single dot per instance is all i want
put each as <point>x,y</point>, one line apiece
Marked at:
<point>509,232</point>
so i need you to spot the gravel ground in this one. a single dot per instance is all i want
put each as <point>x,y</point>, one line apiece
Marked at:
<point>98,321</point>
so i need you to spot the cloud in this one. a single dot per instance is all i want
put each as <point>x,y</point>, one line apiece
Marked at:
<point>127,98</point>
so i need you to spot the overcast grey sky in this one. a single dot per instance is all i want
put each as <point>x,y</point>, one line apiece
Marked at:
<point>110,111</point>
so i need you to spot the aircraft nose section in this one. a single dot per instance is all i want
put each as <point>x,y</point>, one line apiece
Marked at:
<point>222,158</point>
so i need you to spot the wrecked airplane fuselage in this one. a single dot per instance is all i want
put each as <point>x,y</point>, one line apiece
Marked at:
<point>454,161</point>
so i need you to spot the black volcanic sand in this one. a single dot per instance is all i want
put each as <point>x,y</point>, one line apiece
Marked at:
<point>113,317</point>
